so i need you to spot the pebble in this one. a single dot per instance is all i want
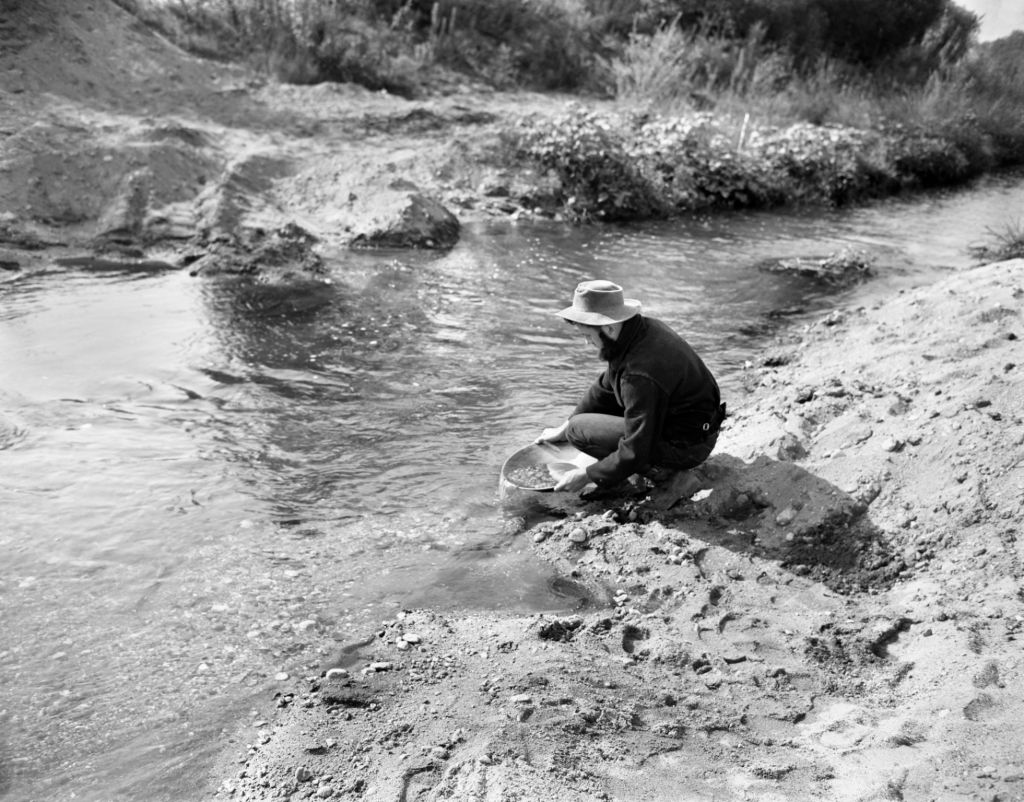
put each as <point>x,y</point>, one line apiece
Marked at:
<point>521,699</point>
<point>380,666</point>
<point>785,517</point>
<point>281,676</point>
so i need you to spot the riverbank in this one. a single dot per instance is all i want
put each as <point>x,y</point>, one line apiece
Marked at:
<point>835,615</point>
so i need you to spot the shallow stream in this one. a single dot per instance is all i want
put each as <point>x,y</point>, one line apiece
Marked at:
<point>205,488</point>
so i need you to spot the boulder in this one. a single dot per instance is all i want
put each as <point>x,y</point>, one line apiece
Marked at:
<point>409,220</point>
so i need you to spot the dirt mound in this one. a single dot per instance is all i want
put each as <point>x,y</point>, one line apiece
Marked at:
<point>115,140</point>
<point>97,54</point>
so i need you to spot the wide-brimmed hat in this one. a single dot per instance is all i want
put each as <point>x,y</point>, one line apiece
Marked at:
<point>600,303</point>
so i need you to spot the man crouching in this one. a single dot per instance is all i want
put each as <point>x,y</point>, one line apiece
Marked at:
<point>656,405</point>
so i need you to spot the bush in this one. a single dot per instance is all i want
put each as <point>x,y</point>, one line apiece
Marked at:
<point>598,176</point>
<point>1003,244</point>
<point>928,161</point>
<point>693,164</point>
<point>832,163</point>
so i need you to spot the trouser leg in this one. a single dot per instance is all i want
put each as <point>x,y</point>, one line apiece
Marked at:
<point>595,434</point>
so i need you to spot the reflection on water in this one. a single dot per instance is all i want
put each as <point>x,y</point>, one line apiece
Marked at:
<point>207,483</point>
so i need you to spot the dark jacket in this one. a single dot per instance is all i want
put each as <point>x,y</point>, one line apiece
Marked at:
<point>662,389</point>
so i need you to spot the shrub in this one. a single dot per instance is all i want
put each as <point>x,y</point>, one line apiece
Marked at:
<point>693,164</point>
<point>1003,244</point>
<point>928,161</point>
<point>587,153</point>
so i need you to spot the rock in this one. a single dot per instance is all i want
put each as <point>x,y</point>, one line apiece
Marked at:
<point>560,629</point>
<point>803,395</point>
<point>410,220</point>
<point>790,449</point>
<point>281,676</point>
<point>578,535</point>
<point>336,673</point>
<point>540,537</point>
<point>303,775</point>
<point>786,517</point>
<point>325,791</point>
<point>411,637</point>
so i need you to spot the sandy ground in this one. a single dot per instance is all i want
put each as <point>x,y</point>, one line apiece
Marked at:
<point>835,615</point>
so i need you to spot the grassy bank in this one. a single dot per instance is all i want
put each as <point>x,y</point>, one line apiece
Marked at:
<point>749,104</point>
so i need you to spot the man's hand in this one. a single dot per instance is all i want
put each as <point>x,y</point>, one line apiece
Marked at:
<point>573,480</point>
<point>556,434</point>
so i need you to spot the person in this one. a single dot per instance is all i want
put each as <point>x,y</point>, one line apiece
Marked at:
<point>655,406</point>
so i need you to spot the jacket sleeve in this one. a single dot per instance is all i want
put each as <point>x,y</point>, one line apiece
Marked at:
<point>645,409</point>
<point>599,398</point>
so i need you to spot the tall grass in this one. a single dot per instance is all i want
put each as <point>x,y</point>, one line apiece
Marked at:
<point>395,45</point>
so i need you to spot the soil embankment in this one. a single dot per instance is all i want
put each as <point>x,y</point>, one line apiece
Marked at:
<point>835,615</point>
<point>116,145</point>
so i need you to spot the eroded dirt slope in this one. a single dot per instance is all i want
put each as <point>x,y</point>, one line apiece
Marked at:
<point>114,141</point>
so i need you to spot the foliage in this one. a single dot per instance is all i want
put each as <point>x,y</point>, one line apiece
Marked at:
<point>867,33</point>
<point>525,43</point>
<point>694,164</point>
<point>1003,243</point>
<point>832,163</point>
<point>637,165</point>
<point>645,48</point>
<point>590,157</point>
<point>927,160</point>
<point>839,99</point>
<point>670,64</point>
<point>620,168</point>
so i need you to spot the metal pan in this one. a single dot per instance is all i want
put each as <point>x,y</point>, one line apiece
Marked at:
<point>539,466</point>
